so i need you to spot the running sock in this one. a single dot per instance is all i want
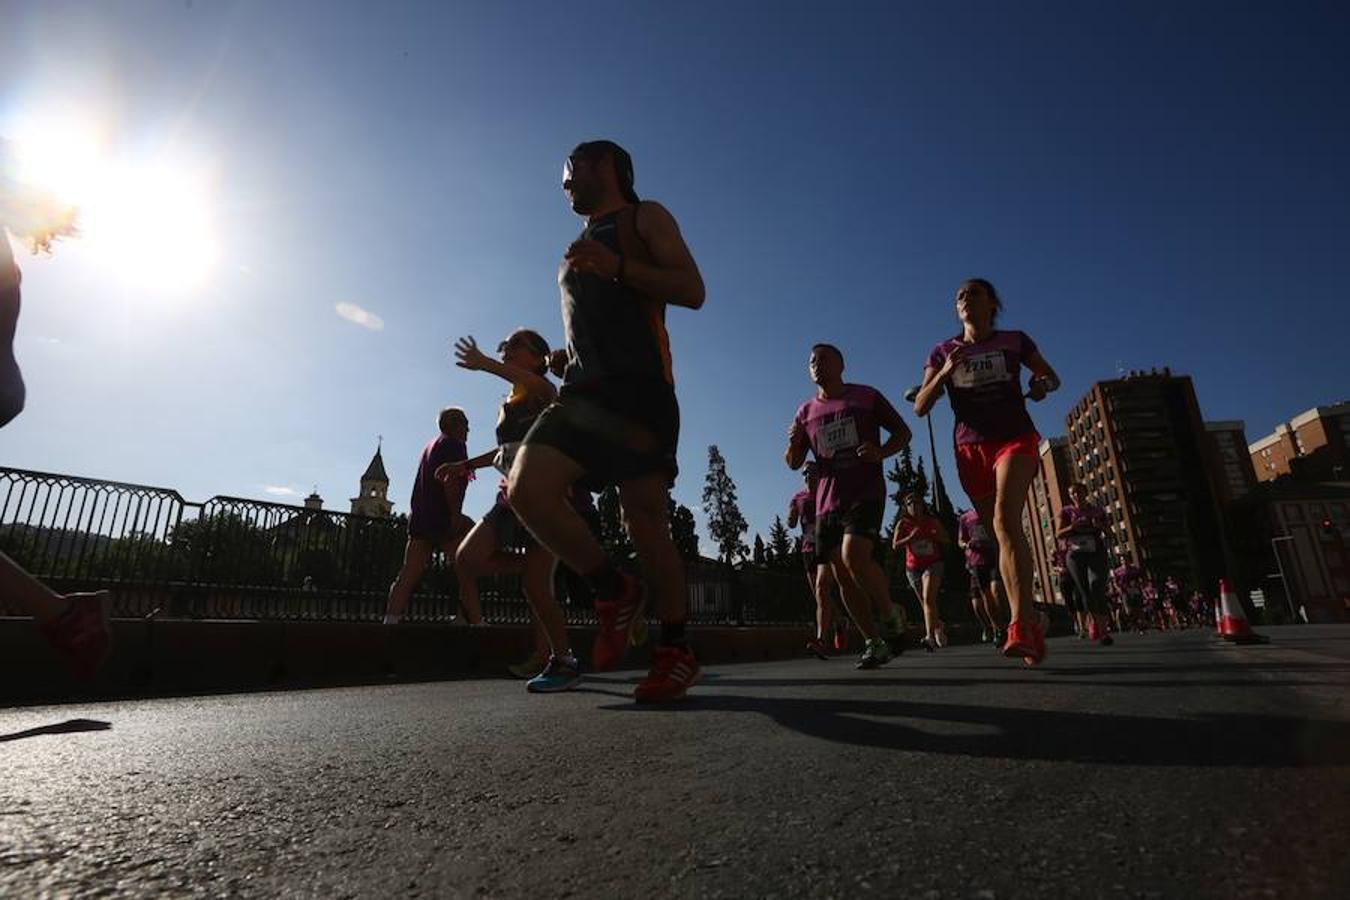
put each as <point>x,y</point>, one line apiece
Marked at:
<point>672,634</point>
<point>606,580</point>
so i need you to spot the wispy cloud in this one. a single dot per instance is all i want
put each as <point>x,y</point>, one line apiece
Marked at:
<point>366,319</point>
<point>280,490</point>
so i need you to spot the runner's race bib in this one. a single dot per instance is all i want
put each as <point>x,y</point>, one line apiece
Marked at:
<point>506,454</point>
<point>980,369</point>
<point>923,547</point>
<point>1082,543</point>
<point>838,436</point>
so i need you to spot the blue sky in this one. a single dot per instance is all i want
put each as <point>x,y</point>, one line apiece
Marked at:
<point>1147,184</point>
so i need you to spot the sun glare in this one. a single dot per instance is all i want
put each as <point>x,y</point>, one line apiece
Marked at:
<point>148,223</point>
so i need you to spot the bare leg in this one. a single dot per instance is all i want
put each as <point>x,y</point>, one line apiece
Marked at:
<point>644,515</point>
<point>855,598</point>
<point>32,596</point>
<point>469,606</point>
<point>866,573</point>
<point>1014,476</point>
<point>538,578</point>
<point>416,558</point>
<point>476,556</point>
<point>540,481</point>
<point>931,617</point>
<point>823,588</point>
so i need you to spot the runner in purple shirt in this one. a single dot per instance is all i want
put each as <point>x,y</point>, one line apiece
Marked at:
<point>802,512</point>
<point>997,447</point>
<point>1082,530</point>
<point>841,426</point>
<point>435,519</point>
<point>981,551</point>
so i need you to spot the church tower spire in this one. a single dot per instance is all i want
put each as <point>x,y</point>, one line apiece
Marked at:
<point>373,499</point>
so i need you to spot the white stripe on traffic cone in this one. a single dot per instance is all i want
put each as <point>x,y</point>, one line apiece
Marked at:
<point>1233,626</point>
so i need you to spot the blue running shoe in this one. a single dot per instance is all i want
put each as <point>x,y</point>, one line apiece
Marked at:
<point>561,674</point>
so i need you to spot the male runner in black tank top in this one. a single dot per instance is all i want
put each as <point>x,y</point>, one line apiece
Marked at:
<point>616,420</point>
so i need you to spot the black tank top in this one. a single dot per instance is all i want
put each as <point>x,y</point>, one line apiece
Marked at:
<point>513,423</point>
<point>613,332</point>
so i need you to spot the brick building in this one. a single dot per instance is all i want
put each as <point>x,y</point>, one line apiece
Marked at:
<point>1040,518</point>
<point>1313,446</point>
<point>1139,445</point>
<point>1229,460</point>
<point>1294,542</point>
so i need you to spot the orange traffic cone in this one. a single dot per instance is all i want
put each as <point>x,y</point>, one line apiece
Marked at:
<point>1233,626</point>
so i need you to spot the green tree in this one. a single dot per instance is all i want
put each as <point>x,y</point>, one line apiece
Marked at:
<point>225,548</point>
<point>780,543</point>
<point>613,536</point>
<point>757,555</point>
<point>683,530</point>
<point>725,522</point>
<point>905,479</point>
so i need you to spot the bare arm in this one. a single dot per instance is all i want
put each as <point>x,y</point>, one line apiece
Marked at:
<point>454,494</point>
<point>468,356</point>
<point>671,277</point>
<point>897,429</point>
<point>797,446</point>
<point>792,515</point>
<point>934,383</point>
<point>1043,378</point>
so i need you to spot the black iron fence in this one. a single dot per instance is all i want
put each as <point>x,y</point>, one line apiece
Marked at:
<point>236,558</point>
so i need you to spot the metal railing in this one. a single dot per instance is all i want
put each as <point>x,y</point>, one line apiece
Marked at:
<point>236,558</point>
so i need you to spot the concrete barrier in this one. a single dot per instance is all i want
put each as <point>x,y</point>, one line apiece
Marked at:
<point>180,657</point>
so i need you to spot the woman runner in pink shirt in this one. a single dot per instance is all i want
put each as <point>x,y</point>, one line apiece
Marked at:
<point>922,536</point>
<point>997,453</point>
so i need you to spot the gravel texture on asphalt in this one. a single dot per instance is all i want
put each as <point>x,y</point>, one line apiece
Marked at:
<point>1169,765</point>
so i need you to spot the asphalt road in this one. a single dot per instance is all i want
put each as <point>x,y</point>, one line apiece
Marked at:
<point>1166,766</point>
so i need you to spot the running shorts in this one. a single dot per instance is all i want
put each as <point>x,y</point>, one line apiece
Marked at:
<point>616,431</point>
<point>915,576</point>
<point>862,519</point>
<point>976,463</point>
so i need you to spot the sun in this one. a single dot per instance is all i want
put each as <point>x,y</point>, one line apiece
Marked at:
<point>147,222</point>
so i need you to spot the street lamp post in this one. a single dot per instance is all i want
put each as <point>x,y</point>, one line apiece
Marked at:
<point>1288,597</point>
<point>932,450</point>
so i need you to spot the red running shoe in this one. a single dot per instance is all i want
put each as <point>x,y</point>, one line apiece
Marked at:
<point>817,646</point>
<point>616,617</point>
<point>673,672</point>
<point>81,633</point>
<point>840,638</point>
<point>1026,639</point>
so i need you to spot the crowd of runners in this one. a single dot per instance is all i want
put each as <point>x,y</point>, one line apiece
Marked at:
<point>614,421</point>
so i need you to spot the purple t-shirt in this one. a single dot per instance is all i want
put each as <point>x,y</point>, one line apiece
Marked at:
<point>429,512</point>
<point>835,428</point>
<point>986,388</point>
<point>981,548</point>
<point>1083,540</point>
<point>803,505</point>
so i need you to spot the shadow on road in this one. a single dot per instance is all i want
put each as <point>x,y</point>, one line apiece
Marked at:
<point>70,726</point>
<point>1221,739</point>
